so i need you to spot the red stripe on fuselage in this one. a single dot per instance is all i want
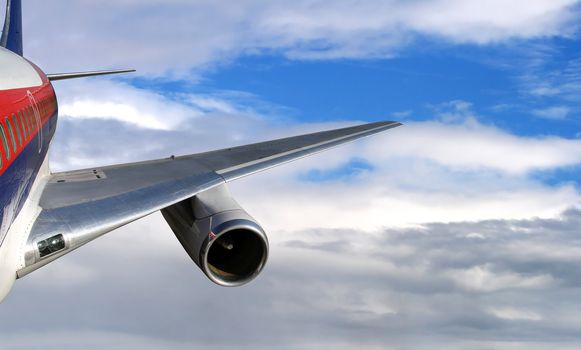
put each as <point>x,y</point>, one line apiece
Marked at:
<point>13,102</point>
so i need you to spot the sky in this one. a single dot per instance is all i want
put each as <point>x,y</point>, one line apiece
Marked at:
<point>458,230</point>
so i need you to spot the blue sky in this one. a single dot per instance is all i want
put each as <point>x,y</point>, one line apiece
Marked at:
<point>408,86</point>
<point>457,231</point>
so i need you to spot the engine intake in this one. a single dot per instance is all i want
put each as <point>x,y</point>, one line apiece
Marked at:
<point>221,238</point>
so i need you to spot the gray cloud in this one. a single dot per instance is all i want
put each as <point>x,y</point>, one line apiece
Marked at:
<point>395,288</point>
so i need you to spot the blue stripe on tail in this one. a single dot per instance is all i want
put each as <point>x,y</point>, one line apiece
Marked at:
<point>12,33</point>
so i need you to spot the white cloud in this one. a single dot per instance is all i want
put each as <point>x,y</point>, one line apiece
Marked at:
<point>101,99</point>
<point>475,235</point>
<point>485,279</point>
<point>471,145</point>
<point>547,77</point>
<point>138,33</point>
<point>402,114</point>
<point>148,109</point>
<point>379,201</point>
<point>556,112</point>
<point>515,314</point>
<point>497,20</point>
<point>112,110</point>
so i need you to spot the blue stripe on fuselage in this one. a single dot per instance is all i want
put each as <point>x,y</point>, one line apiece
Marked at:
<point>17,180</point>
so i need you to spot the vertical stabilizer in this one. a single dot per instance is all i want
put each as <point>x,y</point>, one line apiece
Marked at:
<point>12,33</point>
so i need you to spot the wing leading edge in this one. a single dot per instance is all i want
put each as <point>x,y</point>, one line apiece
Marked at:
<point>83,205</point>
<point>237,162</point>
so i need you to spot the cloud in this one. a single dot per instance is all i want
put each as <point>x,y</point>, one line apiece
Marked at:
<point>544,78</point>
<point>202,34</point>
<point>484,279</point>
<point>515,314</point>
<point>147,109</point>
<point>396,288</point>
<point>402,114</point>
<point>470,145</point>
<point>550,82</point>
<point>557,112</point>
<point>473,21</point>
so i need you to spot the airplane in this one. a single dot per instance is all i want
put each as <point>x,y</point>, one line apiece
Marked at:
<point>45,215</point>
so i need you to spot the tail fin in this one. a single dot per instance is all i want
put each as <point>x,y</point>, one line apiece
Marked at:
<point>12,33</point>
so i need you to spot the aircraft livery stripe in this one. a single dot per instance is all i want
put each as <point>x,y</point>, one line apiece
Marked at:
<point>17,114</point>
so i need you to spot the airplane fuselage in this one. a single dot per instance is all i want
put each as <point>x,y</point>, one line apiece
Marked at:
<point>28,118</point>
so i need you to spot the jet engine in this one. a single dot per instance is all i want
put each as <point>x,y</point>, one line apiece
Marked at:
<point>223,240</point>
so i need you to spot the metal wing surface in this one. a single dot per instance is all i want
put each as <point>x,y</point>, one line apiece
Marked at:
<point>85,204</point>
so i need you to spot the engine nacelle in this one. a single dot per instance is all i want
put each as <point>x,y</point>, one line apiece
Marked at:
<point>222,239</point>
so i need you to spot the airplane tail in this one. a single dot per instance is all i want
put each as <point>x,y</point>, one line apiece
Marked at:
<point>12,33</point>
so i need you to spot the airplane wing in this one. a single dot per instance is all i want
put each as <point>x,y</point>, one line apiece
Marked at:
<point>83,205</point>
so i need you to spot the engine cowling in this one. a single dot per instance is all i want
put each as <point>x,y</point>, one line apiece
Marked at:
<point>226,243</point>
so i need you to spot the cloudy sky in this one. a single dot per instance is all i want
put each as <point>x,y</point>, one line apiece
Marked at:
<point>459,230</point>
